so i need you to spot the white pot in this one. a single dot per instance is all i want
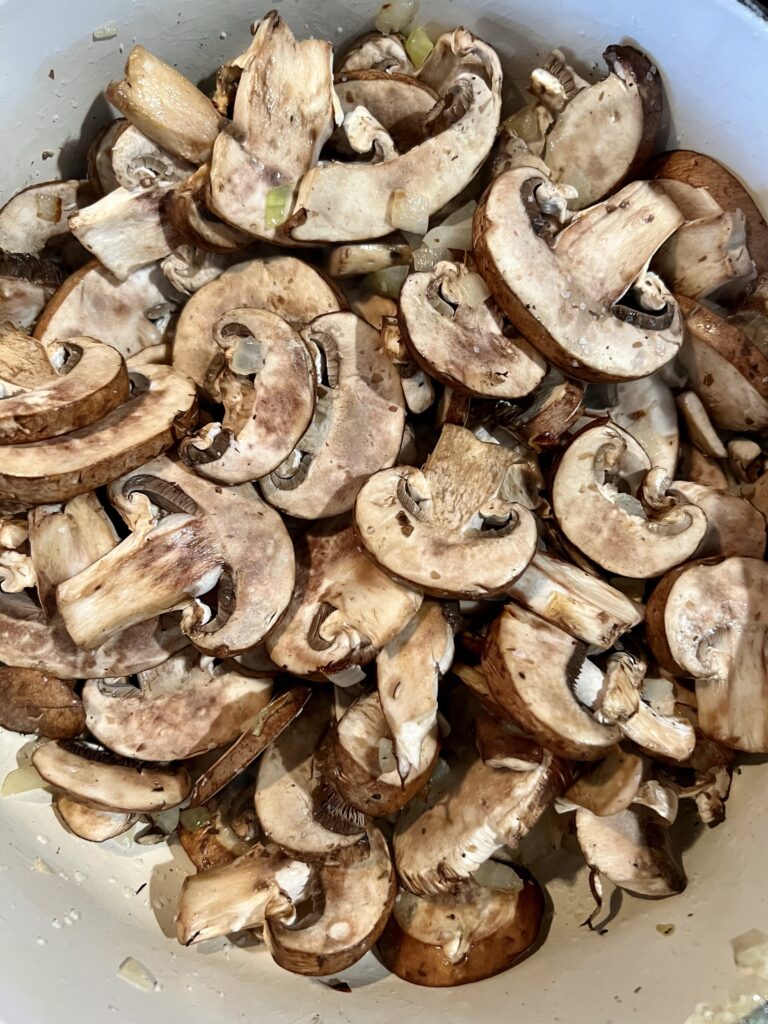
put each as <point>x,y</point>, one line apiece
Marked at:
<point>713,55</point>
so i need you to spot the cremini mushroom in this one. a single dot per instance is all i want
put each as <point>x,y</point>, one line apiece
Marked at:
<point>140,163</point>
<point>500,744</point>
<point>101,175</point>
<point>554,408</point>
<point>92,823</point>
<point>646,409</point>
<point>36,702</point>
<point>734,526</point>
<point>187,207</point>
<point>188,269</point>
<point>698,425</point>
<point>377,51</point>
<point>399,102</point>
<point>26,284</point>
<point>35,220</point>
<point>610,786</point>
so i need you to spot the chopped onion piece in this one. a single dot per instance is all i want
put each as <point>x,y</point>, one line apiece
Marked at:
<point>418,46</point>
<point>277,205</point>
<point>396,15</point>
<point>38,864</point>
<point>247,357</point>
<point>426,258</point>
<point>136,974</point>
<point>455,232</point>
<point>167,821</point>
<point>498,876</point>
<point>194,817</point>
<point>22,780</point>
<point>628,503</point>
<point>409,211</point>
<point>49,208</point>
<point>473,289</point>
<point>386,282</point>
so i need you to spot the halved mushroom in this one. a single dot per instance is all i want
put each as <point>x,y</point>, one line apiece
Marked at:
<point>26,284</point>
<point>706,621</point>
<point>282,285</point>
<point>138,162</point>
<point>457,337</point>
<point>377,51</point>
<point>187,208</point>
<point>258,153</point>
<point>454,529</point>
<point>699,427</point>
<point>404,192</point>
<point>532,668</point>
<point>36,218</point>
<point>500,744</point>
<point>357,426</point>
<point>36,702</point>
<point>97,778</point>
<point>569,298</point>
<point>166,107</point>
<point>581,604</point>
<point>554,408</point>
<point>399,102</point>
<point>481,929</point>
<point>222,830</point>
<point>610,786</point>
<point>101,176</point>
<point>195,536</point>
<point>160,409</point>
<point>357,900</point>
<point>344,610</point>
<point>594,500</point>
<point>92,823</point>
<point>734,526</point>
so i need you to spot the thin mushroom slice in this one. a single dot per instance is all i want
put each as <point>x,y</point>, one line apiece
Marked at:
<point>101,175</point>
<point>26,285</point>
<point>91,823</point>
<point>159,411</point>
<point>481,929</point>
<point>699,468</point>
<point>377,51</point>
<point>344,609</point>
<point>451,529</point>
<point>609,787</point>
<point>36,702</point>
<point>457,336</point>
<point>699,427</point>
<point>554,408</point>
<point>187,207</point>
<point>583,300</point>
<point>188,269</point>
<point>501,745</point>
<point>595,503</point>
<point>734,526</point>
<point>101,780</point>
<point>400,103</point>
<point>222,829</point>
<point>139,163</point>
<point>646,410</point>
<point>269,399</point>
<point>36,218</point>
<point>532,667</point>
<point>357,426</point>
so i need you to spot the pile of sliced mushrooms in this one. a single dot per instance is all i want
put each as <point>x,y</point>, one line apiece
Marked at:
<point>383,481</point>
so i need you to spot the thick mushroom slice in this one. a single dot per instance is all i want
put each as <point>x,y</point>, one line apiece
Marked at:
<point>457,336</point>
<point>706,621</point>
<point>481,929</point>
<point>92,823</point>
<point>339,202</point>
<point>269,399</point>
<point>259,159</point>
<point>454,529</point>
<point>167,718</point>
<point>24,363</point>
<point>160,409</point>
<point>357,426</point>
<point>36,702</point>
<point>344,609</point>
<point>585,300</point>
<point>734,526</point>
<point>594,499</point>
<point>139,163</point>
<point>554,408</point>
<point>646,409</point>
<point>282,285</point>
<point>610,786</point>
<point>357,900</point>
<point>37,217</point>
<point>378,51</point>
<point>166,107</point>
<point>97,778</point>
<point>581,604</point>
<point>26,284</point>
<point>221,830</point>
<point>400,103</point>
<point>698,425</point>
<point>195,537</point>
<point>532,668</point>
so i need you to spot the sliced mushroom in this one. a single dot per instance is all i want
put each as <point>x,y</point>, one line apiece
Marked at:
<point>187,208</point>
<point>399,102</point>
<point>699,426</point>
<point>36,218</point>
<point>554,408</point>
<point>25,364</point>
<point>356,260</point>
<point>166,107</point>
<point>466,73</point>
<point>474,678</point>
<point>159,411</point>
<point>365,136</point>
<point>189,269</point>
<point>451,530</point>
<point>91,823</point>
<point>35,702</point>
<point>378,51</point>
<point>594,500</point>
<point>357,427</point>
<point>700,469</point>
<point>567,297</point>
<point>221,831</point>
<point>734,526</point>
<point>138,162</point>
<point>101,175</point>
<point>456,938</point>
<point>501,745</point>
<point>610,786</point>
<point>343,610</point>
<point>26,284</point>
<point>532,667</point>
<point>259,153</point>
<point>646,410</point>
<point>99,779</point>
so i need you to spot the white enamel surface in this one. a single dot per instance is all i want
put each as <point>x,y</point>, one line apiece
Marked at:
<point>712,54</point>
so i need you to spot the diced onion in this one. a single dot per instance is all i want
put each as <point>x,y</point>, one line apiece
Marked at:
<point>247,356</point>
<point>473,289</point>
<point>386,282</point>
<point>277,205</point>
<point>136,974</point>
<point>347,677</point>
<point>418,46</point>
<point>167,821</point>
<point>498,876</point>
<point>750,950</point>
<point>425,258</point>
<point>49,208</point>
<point>22,780</point>
<point>409,211</point>
<point>396,15</point>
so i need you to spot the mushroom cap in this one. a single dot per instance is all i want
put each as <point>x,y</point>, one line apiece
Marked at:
<point>451,530</point>
<point>399,102</point>
<point>35,702</point>
<point>37,216</point>
<point>90,823</point>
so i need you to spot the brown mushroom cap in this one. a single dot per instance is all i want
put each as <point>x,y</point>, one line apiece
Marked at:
<point>91,823</point>
<point>37,216</point>
<point>399,102</point>
<point>35,702</point>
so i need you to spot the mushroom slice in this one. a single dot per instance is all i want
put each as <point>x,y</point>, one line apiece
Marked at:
<point>607,132</point>
<point>593,497</point>
<point>467,75</point>
<point>237,896</point>
<point>478,810</point>
<point>698,468</point>
<point>707,622</point>
<point>699,426</point>
<point>475,680</point>
<point>26,284</point>
<point>400,103</point>
<point>204,710</point>
<point>282,285</point>
<point>610,786</point>
<point>378,51</point>
<point>344,610</point>
<point>90,381</point>
<point>131,315</point>
<point>101,780</point>
<point>208,536</point>
<point>632,850</point>
<point>138,162</point>
<point>457,336</point>
<point>91,823</point>
<point>166,107</point>
<point>408,671</point>
<point>725,369</point>
<point>500,745</point>
<point>532,668</point>
<point>583,605</point>
<point>473,933</point>
<point>188,269</point>
<point>269,398</point>
<point>222,830</point>
<point>160,409</point>
<point>567,297</point>
<point>646,410</point>
<point>187,208</point>
<point>554,408</point>
<point>36,218</point>
<point>450,530</point>
<point>101,176</point>
<point>287,791</point>
<point>734,526</point>
<point>357,427</point>
<point>36,702</point>
<point>366,258</point>
<point>260,153</point>
<point>24,363</point>
<point>125,230</point>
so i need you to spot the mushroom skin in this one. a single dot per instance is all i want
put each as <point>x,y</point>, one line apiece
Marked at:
<point>91,823</point>
<point>35,702</point>
<point>455,529</point>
